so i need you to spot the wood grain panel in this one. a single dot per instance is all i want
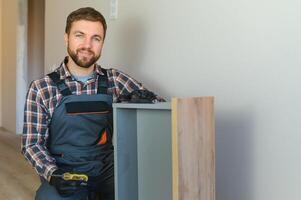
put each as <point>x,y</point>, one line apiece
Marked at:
<point>194,149</point>
<point>174,145</point>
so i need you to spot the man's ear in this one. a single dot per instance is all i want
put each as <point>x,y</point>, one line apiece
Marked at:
<point>66,39</point>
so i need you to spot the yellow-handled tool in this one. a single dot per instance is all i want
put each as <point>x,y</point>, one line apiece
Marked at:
<point>72,177</point>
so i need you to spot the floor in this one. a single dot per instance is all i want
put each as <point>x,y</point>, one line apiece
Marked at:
<point>18,180</point>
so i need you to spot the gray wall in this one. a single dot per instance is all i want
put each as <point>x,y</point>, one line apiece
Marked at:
<point>36,11</point>
<point>245,53</point>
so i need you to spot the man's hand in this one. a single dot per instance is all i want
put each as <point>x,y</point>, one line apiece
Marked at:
<point>66,187</point>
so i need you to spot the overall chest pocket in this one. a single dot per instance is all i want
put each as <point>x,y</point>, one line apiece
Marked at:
<point>87,107</point>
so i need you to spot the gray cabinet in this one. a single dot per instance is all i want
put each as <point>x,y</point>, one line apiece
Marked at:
<point>164,151</point>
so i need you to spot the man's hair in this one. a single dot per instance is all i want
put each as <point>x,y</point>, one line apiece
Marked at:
<point>87,13</point>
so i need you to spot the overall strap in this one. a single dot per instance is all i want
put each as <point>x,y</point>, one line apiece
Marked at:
<point>61,85</point>
<point>103,82</point>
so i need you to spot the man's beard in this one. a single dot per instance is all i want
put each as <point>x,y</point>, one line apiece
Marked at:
<point>84,62</point>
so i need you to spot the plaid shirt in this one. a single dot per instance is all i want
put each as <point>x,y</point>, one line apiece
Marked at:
<point>42,98</point>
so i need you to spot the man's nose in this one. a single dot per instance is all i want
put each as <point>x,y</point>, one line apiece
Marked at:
<point>87,43</point>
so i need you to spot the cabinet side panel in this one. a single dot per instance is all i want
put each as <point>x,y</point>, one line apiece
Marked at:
<point>196,148</point>
<point>125,140</point>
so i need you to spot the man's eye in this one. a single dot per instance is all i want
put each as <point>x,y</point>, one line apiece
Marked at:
<point>97,39</point>
<point>79,36</point>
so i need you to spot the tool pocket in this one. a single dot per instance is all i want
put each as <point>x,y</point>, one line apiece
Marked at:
<point>88,107</point>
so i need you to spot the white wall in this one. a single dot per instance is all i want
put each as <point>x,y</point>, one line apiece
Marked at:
<point>9,30</point>
<point>21,62</point>
<point>245,53</point>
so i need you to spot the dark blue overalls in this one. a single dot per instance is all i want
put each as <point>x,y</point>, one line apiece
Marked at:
<point>80,139</point>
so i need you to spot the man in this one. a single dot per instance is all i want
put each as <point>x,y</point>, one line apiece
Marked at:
<point>68,116</point>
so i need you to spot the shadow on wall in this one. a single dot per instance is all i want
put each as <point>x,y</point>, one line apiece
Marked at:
<point>132,50</point>
<point>132,43</point>
<point>234,156</point>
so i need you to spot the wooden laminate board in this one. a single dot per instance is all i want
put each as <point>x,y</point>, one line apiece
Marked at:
<point>193,143</point>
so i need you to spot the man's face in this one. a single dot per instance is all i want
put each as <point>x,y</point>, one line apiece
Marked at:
<point>84,42</point>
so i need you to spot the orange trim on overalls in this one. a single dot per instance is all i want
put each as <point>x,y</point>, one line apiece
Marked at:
<point>103,138</point>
